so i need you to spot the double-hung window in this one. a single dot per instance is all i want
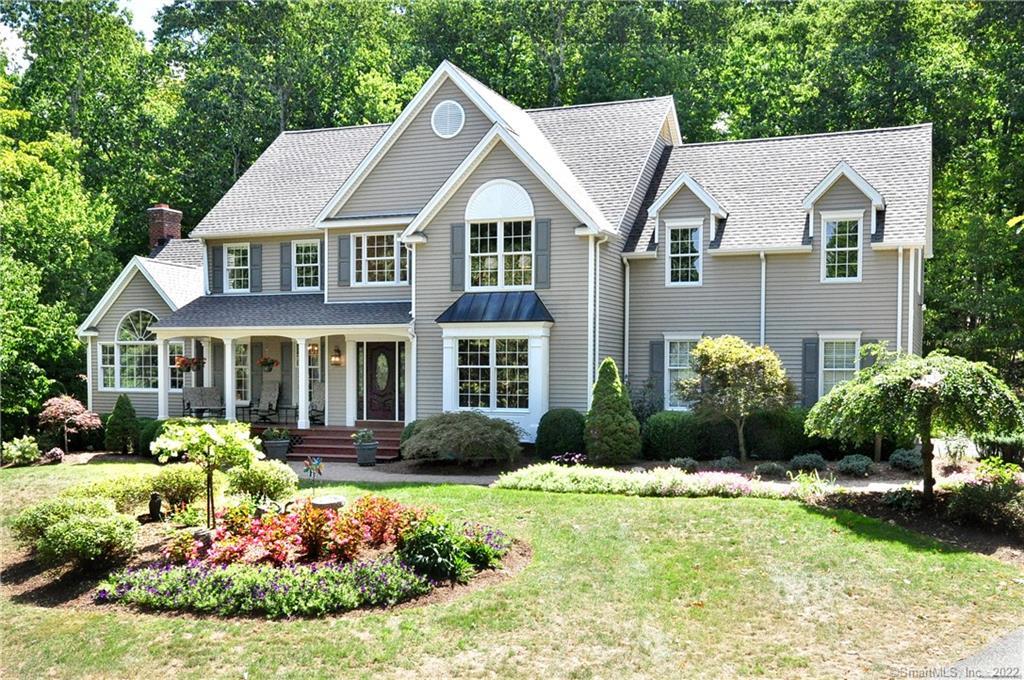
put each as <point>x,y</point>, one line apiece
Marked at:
<point>678,367</point>
<point>305,265</point>
<point>684,260</point>
<point>379,259</point>
<point>840,253</point>
<point>501,254</point>
<point>236,268</point>
<point>176,349</point>
<point>243,372</point>
<point>494,373</point>
<point>840,359</point>
<point>108,365</point>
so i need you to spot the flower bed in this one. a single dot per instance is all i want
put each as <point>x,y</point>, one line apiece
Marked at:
<point>310,562</point>
<point>657,482</point>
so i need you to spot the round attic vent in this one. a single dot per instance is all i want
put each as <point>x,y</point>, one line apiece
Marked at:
<point>447,119</point>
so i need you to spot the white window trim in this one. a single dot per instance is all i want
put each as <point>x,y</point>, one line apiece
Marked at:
<point>225,286</point>
<point>492,367</point>
<point>501,221</point>
<point>117,358</point>
<point>839,216</point>
<point>184,352</point>
<point>689,223</point>
<point>667,387</point>
<point>319,264</point>
<point>396,235</point>
<point>247,341</point>
<point>433,124</point>
<point>99,365</point>
<point>538,335</point>
<point>832,336</point>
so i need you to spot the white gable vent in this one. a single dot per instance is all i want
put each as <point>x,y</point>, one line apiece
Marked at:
<point>447,119</point>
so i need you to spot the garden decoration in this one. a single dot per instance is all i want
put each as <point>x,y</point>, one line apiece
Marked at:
<point>276,442</point>
<point>268,363</point>
<point>156,503</point>
<point>313,467</point>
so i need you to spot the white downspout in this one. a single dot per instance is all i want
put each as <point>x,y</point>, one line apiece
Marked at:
<point>410,408</point>
<point>597,304</point>
<point>625,327</point>
<point>899,300</point>
<point>590,319</point>
<point>764,265</point>
<point>88,372</point>
<point>910,302</point>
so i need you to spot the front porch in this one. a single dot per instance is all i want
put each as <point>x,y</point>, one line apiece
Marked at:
<point>334,443</point>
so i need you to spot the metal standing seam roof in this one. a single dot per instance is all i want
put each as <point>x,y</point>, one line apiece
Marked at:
<point>762,183</point>
<point>516,307</point>
<point>294,309</point>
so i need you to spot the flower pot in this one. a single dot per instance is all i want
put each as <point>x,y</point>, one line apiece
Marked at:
<point>268,368</point>
<point>277,449</point>
<point>366,454</point>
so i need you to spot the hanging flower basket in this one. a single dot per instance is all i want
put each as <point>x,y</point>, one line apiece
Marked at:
<point>188,364</point>
<point>268,363</point>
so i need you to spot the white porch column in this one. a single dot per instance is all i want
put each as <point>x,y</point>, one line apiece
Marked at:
<point>229,378</point>
<point>303,383</point>
<point>350,382</point>
<point>207,344</point>
<point>163,382</point>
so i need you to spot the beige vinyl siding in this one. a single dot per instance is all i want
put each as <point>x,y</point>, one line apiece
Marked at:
<point>271,257</point>
<point>419,161</point>
<point>350,293</point>
<point>138,294</point>
<point>566,299</point>
<point>797,304</point>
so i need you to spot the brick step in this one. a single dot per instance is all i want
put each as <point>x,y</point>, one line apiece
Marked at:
<point>299,453</point>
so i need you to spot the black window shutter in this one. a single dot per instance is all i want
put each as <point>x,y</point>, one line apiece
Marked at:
<point>286,265</point>
<point>256,268</point>
<point>256,371</point>
<point>458,254</point>
<point>657,368</point>
<point>286,373</point>
<point>867,360</point>
<point>197,351</point>
<point>542,248</point>
<point>809,382</point>
<point>322,256</point>
<point>344,260</point>
<point>216,263</point>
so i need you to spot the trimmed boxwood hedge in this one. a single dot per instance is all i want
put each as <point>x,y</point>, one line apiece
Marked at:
<point>560,431</point>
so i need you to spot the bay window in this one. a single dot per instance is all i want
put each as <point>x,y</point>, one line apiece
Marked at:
<point>379,259</point>
<point>494,373</point>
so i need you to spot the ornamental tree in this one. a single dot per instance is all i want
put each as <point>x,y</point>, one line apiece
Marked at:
<point>612,432</point>
<point>903,395</point>
<point>735,380</point>
<point>66,415</point>
<point>212,446</point>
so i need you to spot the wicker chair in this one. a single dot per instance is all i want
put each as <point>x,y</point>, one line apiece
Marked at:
<point>317,404</point>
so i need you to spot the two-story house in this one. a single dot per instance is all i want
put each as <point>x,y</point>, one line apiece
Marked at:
<point>475,255</point>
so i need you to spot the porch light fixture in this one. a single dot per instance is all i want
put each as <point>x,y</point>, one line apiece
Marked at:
<point>337,358</point>
<point>314,351</point>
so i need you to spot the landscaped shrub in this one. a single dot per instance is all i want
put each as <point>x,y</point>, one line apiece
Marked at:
<point>149,430</point>
<point>484,545</point>
<point>263,480</point>
<point>684,464</point>
<point>87,541</point>
<point>808,462</point>
<point>560,431</point>
<point>436,550</point>
<point>21,451</point>
<point>65,416</point>
<point>993,496</point>
<point>646,400</point>
<point>855,466</point>
<point>775,435</point>
<point>906,459</point>
<point>725,464</point>
<point>127,491</point>
<point>657,482</point>
<point>242,589</point>
<point>672,434</point>
<point>570,459</point>
<point>182,547</point>
<point>612,432</point>
<point>1008,446</point>
<point>463,436</point>
<point>770,470</point>
<point>408,431</point>
<point>382,520</point>
<point>180,484</point>
<point>30,525</point>
<point>122,427</point>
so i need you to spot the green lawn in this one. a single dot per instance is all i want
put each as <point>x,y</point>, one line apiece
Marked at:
<point>618,587</point>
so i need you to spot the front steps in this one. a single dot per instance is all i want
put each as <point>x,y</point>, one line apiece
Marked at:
<point>334,443</point>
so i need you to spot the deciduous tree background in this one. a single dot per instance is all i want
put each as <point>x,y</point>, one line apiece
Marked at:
<point>99,125</point>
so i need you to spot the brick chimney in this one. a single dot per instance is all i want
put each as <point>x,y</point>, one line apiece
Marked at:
<point>164,224</point>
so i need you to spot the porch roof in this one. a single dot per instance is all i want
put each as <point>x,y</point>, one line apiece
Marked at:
<point>274,311</point>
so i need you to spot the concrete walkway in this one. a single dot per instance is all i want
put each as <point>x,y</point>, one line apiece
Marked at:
<point>350,472</point>
<point>1004,658</point>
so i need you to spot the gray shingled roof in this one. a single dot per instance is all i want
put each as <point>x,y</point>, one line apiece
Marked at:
<point>186,251</point>
<point>604,146</point>
<point>285,189</point>
<point>295,309</point>
<point>180,283</point>
<point>762,183</point>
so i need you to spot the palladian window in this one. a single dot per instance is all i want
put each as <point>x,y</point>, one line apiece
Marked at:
<point>137,352</point>
<point>500,237</point>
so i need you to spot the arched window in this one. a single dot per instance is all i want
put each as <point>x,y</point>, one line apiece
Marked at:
<point>499,217</point>
<point>137,352</point>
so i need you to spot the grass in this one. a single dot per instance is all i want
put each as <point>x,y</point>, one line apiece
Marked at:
<point>619,586</point>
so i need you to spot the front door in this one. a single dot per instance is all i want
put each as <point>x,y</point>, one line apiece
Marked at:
<point>380,381</point>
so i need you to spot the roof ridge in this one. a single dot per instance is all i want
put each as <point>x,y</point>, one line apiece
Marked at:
<point>809,135</point>
<point>336,128</point>
<point>614,102</point>
<point>169,263</point>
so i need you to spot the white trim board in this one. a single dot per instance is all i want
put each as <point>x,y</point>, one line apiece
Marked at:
<point>115,290</point>
<point>702,194</point>
<point>843,169</point>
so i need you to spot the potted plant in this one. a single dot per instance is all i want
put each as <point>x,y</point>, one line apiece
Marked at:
<point>366,447</point>
<point>276,442</point>
<point>268,363</point>
<point>188,364</point>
